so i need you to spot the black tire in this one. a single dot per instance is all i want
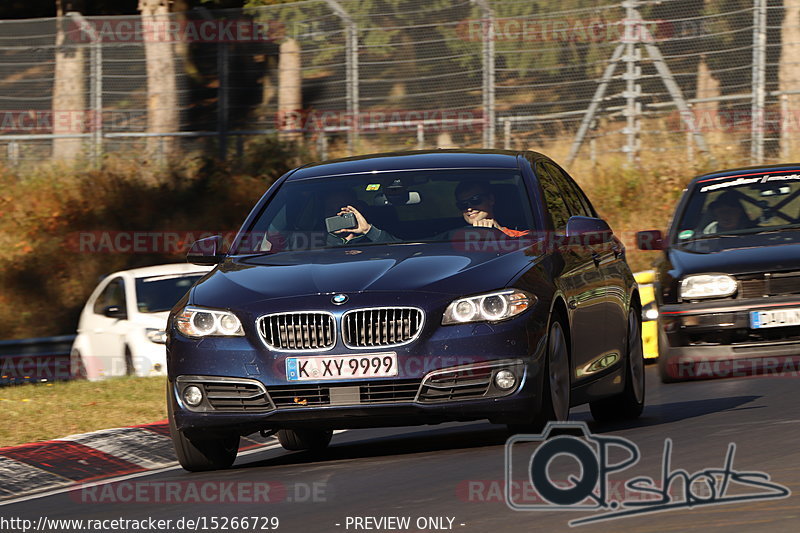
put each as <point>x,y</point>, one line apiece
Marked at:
<point>628,404</point>
<point>554,407</point>
<point>130,370</point>
<point>304,439</point>
<point>200,454</point>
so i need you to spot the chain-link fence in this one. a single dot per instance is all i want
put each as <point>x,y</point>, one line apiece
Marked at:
<point>576,79</point>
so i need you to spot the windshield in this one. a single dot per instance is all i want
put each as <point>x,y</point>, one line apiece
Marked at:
<point>744,204</point>
<point>391,207</point>
<point>161,293</point>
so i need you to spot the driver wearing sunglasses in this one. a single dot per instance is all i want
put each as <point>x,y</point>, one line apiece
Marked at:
<point>476,203</point>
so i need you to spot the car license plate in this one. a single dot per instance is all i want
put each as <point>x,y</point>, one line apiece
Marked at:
<point>775,318</point>
<point>374,365</point>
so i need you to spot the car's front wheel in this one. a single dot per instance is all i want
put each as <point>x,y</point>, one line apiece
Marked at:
<point>304,439</point>
<point>201,453</point>
<point>130,369</point>
<point>556,382</point>
<point>629,403</point>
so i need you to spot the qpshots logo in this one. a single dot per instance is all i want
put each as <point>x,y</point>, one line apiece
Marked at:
<point>570,469</point>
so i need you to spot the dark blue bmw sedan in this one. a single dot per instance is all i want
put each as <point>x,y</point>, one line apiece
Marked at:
<point>402,289</point>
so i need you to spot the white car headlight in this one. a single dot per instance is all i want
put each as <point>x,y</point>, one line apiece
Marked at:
<point>489,307</point>
<point>199,322</point>
<point>707,286</point>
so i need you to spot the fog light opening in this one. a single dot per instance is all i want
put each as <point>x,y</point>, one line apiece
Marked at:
<point>505,379</point>
<point>192,395</point>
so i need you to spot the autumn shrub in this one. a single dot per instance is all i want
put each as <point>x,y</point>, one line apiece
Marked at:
<point>46,275</point>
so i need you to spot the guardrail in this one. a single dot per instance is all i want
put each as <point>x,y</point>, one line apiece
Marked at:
<point>35,360</point>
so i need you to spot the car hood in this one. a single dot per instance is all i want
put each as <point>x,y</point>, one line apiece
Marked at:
<point>438,268</point>
<point>152,320</point>
<point>743,254</point>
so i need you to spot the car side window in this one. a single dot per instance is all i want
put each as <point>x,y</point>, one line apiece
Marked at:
<point>113,294</point>
<point>580,196</point>
<point>572,194</point>
<point>553,196</point>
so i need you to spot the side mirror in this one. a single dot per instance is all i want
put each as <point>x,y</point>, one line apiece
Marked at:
<point>650,240</point>
<point>206,251</point>
<point>588,231</point>
<point>115,311</point>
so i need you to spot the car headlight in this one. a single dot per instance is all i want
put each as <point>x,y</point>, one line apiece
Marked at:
<point>489,307</point>
<point>649,312</point>
<point>707,286</point>
<point>199,322</point>
<point>158,336</point>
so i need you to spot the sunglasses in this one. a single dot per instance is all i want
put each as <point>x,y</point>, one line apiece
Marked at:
<point>473,201</point>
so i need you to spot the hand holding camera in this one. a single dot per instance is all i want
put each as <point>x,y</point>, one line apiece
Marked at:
<point>348,223</point>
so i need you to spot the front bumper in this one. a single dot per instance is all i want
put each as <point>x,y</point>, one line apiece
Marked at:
<point>462,393</point>
<point>714,331</point>
<point>447,374</point>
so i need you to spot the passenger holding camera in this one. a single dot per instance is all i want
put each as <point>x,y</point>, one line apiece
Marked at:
<point>350,227</point>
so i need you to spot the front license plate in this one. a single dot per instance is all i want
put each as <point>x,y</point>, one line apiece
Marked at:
<point>375,365</point>
<point>775,318</point>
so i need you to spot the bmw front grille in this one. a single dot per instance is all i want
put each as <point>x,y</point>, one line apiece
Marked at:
<point>381,326</point>
<point>312,330</point>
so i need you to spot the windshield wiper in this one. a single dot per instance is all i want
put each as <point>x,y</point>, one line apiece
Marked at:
<point>706,237</point>
<point>779,229</point>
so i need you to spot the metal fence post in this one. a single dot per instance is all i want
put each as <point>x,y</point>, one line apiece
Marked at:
<point>322,145</point>
<point>354,110</point>
<point>351,68</point>
<point>97,101</point>
<point>12,152</point>
<point>632,75</point>
<point>488,55</point>
<point>759,94</point>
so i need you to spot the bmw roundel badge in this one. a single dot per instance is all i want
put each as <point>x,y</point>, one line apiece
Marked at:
<point>339,299</point>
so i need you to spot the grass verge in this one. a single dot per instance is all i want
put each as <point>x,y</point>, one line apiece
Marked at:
<point>48,411</point>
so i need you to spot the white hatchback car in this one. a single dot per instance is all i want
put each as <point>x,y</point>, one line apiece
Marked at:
<point>121,328</point>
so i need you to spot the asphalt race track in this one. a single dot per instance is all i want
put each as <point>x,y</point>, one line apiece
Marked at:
<point>443,478</point>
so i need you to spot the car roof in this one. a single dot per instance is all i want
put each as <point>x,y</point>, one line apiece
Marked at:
<point>758,169</point>
<point>410,160</point>
<point>163,270</point>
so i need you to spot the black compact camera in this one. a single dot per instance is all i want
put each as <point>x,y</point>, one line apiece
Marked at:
<point>346,221</point>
